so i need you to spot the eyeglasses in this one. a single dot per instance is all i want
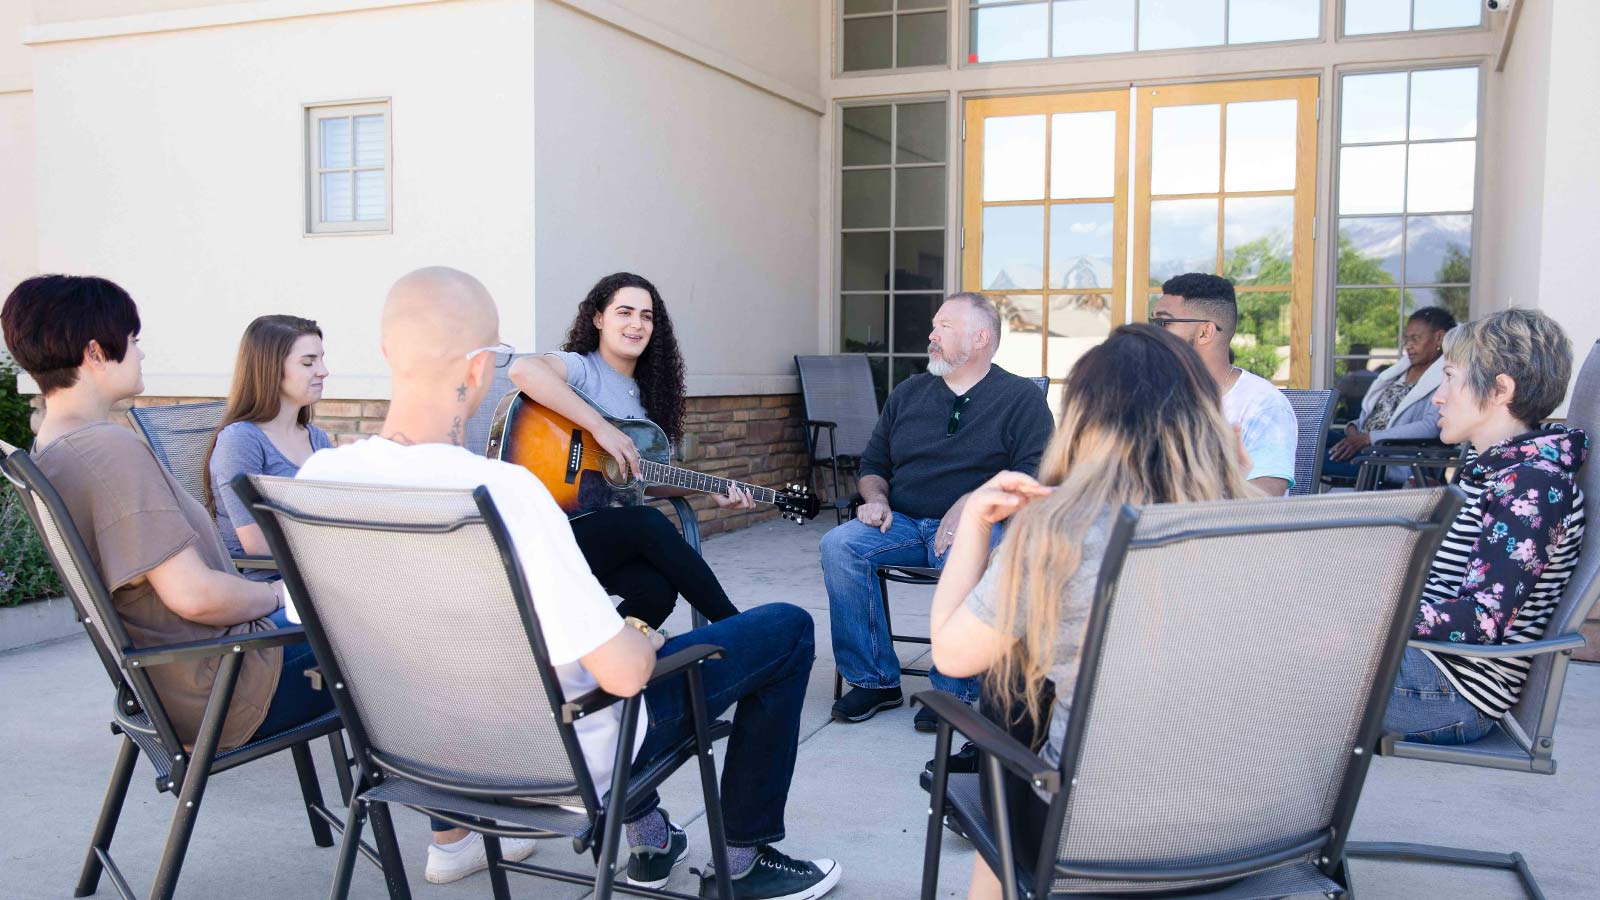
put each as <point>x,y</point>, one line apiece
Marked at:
<point>1165,321</point>
<point>502,354</point>
<point>955,414</point>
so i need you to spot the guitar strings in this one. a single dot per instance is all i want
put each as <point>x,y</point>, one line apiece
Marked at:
<point>597,456</point>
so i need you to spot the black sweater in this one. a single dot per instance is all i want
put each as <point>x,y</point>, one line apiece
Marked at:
<point>1004,425</point>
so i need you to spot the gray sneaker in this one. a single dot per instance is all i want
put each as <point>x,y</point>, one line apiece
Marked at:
<point>652,867</point>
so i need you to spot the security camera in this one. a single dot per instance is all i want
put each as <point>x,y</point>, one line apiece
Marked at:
<point>1498,5</point>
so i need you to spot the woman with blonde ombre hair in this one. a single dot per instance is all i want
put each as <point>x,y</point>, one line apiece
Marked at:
<point>1141,422</point>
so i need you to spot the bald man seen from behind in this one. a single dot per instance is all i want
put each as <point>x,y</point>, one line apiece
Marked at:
<point>441,338</point>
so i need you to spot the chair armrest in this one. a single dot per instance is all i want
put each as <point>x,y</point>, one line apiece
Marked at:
<point>666,666</point>
<point>991,739</point>
<point>1563,644</point>
<point>909,574</point>
<point>222,646</point>
<point>818,423</point>
<point>255,562</point>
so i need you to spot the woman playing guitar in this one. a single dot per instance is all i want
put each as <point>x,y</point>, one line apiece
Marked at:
<point>621,352</point>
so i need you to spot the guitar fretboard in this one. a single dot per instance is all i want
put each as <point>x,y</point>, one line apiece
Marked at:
<point>672,476</point>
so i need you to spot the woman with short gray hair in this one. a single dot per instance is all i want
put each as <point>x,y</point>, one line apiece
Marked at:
<point>1500,571</point>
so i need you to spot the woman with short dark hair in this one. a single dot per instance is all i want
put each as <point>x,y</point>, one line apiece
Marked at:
<point>1396,407</point>
<point>170,579</point>
<point>1501,569</point>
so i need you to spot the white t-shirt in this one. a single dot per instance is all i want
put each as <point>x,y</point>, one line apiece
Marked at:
<point>1268,423</point>
<point>575,613</point>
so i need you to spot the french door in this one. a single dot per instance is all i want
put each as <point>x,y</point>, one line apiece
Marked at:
<point>1223,182</point>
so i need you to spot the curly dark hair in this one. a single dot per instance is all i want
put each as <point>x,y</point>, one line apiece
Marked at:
<point>660,368</point>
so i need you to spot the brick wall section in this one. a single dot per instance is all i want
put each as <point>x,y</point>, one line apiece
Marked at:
<point>754,439</point>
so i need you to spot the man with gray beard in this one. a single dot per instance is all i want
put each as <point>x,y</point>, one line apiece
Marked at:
<point>941,435</point>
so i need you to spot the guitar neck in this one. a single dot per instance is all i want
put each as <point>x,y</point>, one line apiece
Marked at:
<point>672,476</point>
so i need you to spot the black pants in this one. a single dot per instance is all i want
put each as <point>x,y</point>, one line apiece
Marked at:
<point>637,554</point>
<point>1025,809</point>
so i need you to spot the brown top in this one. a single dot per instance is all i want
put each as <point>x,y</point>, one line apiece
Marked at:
<point>133,517</point>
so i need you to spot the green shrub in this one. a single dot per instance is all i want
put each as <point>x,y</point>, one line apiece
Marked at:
<point>14,409</point>
<point>25,570</point>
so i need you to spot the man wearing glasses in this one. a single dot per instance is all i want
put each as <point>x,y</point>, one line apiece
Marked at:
<point>941,435</point>
<point>1201,310</point>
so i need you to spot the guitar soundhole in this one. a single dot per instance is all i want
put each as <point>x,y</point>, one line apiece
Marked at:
<point>613,473</point>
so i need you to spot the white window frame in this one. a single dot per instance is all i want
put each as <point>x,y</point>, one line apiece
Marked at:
<point>1484,24</point>
<point>893,14</point>
<point>315,113</point>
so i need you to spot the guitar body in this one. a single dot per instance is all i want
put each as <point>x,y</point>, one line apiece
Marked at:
<point>568,459</point>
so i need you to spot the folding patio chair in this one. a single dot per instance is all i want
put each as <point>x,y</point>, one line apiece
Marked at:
<point>479,432</point>
<point>923,576</point>
<point>841,409</point>
<point>418,607</point>
<point>1525,740</point>
<point>914,575</point>
<point>1217,746</point>
<point>179,436</point>
<point>1313,410</point>
<point>137,713</point>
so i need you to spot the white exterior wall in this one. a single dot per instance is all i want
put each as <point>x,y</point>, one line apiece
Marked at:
<point>658,163</point>
<point>17,251</point>
<point>172,162</point>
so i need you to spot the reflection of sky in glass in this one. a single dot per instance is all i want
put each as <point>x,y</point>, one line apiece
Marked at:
<point>1013,158</point>
<point>1444,104</point>
<point>1374,240</point>
<point>1374,108</point>
<point>335,143</point>
<point>1376,16</point>
<point>1164,24</point>
<point>1441,176</point>
<point>1083,155</point>
<point>1261,145</point>
<point>1428,243</point>
<point>1093,26</point>
<point>1372,179</point>
<point>1249,219</point>
<point>1250,21</point>
<point>1185,149</point>
<point>1013,247</point>
<point>1081,238</point>
<point>1447,13</point>
<point>1183,237</point>
<point>1011,32</point>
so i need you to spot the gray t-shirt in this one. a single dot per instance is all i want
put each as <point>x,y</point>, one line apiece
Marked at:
<point>1070,626</point>
<point>243,448</point>
<point>616,393</point>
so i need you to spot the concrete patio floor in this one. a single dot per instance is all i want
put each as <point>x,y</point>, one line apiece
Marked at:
<point>855,794</point>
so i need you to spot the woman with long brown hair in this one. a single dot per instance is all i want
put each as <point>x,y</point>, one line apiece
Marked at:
<point>266,428</point>
<point>1141,422</point>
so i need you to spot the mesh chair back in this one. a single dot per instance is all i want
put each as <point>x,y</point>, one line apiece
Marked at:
<point>1583,587</point>
<point>1219,711</point>
<point>1042,382</point>
<point>407,598</point>
<point>85,588</point>
<point>478,426</point>
<point>1313,411</point>
<point>839,389</point>
<point>179,435</point>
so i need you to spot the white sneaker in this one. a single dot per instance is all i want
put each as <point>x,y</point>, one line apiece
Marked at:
<point>445,866</point>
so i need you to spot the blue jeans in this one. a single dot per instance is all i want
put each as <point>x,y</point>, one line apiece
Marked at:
<point>295,701</point>
<point>766,661</point>
<point>1426,707</point>
<point>851,554</point>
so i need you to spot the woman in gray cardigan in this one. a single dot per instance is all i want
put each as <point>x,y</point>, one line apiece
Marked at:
<point>1397,406</point>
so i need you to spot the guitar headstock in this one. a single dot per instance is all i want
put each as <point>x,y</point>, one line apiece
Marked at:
<point>797,504</point>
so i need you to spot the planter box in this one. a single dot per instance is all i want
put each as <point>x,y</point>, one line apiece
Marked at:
<point>37,621</point>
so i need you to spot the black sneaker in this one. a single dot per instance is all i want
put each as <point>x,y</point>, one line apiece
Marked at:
<point>860,704</point>
<point>774,876</point>
<point>651,867</point>
<point>962,762</point>
<point>926,721</point>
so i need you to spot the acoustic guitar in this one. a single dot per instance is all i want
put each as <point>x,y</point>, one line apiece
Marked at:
<point>582,476</point>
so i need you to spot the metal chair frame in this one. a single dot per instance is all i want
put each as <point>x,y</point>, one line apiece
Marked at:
<point>999,752</point>
<point>139,717</point>
<point>384,779</point>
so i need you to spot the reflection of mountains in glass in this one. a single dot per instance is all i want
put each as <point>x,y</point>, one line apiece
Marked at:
<point>1431,240</point>
<point>1071,315</point>
<point>1075,272</point>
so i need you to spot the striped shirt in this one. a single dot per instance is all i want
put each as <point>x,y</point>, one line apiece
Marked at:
<point>1500,571</point>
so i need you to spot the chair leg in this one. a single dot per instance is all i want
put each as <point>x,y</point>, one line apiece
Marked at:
<point>195,779</point>
<point>394,868</point>
<point>1450,856</point>
<point>838,682</point>
<point>311,791</point>
<point>110,811</point>
<point>1008,860</point>
<point>341,766</point>
<point>708,784</point>
<point>936,796</point>
<point>497,875</point>
<point>349,846</point>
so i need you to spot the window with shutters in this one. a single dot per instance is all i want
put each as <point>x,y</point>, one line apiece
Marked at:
<point>347,168</point>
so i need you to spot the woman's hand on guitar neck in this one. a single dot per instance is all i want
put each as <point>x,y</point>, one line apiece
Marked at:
<point>619,446</point>
<point>736,497</point>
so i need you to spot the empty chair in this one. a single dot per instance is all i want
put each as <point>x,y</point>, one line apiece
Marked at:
<point>841,409</point>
